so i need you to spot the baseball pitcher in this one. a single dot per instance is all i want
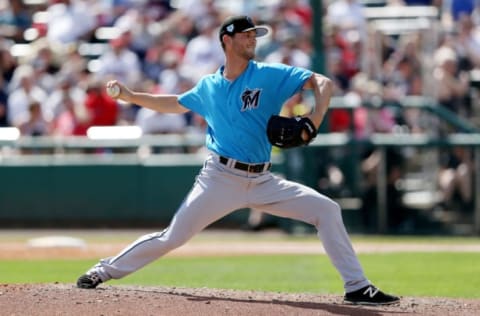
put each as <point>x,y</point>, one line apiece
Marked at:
<point>241,103</point>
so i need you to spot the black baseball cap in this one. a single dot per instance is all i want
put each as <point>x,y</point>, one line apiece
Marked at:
<point>239,24</point>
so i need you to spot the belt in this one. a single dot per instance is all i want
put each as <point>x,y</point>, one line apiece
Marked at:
<point>255,168</point>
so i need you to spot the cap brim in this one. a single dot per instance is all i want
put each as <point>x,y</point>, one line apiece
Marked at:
<point>261,30</point>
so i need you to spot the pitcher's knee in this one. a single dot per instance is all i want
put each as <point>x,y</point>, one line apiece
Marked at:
<point>334,207</point>
<point>329,212</point>
<point>173,242</point>
<point>163,240</point>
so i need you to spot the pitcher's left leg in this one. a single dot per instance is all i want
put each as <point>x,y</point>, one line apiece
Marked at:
<point>293,200</point>
<point>214,195</point>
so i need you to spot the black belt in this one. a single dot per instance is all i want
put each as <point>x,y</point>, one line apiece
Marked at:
<point>256,168</point>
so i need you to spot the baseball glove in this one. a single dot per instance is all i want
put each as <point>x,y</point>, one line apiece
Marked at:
<point>286,132</point>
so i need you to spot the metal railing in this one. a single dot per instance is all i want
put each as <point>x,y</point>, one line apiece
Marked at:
<point>469,137</point>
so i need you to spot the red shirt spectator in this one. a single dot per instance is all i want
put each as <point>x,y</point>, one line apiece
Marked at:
<point>72,121</point>
<point>102,109</point>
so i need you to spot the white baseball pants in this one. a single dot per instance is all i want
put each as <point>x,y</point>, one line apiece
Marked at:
<point>218,191</point>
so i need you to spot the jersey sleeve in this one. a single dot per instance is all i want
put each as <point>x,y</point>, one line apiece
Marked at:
<point>291,79</point>
<point>192,99</point>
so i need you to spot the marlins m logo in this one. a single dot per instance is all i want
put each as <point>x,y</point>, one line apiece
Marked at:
<point>250,99</point>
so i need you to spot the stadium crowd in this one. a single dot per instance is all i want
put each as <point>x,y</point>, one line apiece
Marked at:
<point>52,85</point>
<point>56,55</point>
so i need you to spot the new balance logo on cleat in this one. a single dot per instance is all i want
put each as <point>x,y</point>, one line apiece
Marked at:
<point>371,291</point>
<point>370,295</point>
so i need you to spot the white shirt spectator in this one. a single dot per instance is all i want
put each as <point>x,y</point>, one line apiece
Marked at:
<point>347,15</point>
<point>138,22</point>
<point>195,9</point>
<point>19,101</point>
<point>120,63</point>
<point>55,102</point>
<point>203,54</point>
<point>68,22</point>
<point>289,56</point>
<point>152,122</point>
<point>22,91</point>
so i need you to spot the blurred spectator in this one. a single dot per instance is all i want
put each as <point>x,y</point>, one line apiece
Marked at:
<point>461,8</point>
<point>109,11</point>
<point>403,76</point>
<point>8,63</point>
<point>451,87</point>
<point>43,57</point>
<point>295,15</point>
<point>120,62</point>
<point>203,53</point>
<point>468,43</point>
<point>170,78</point>
<point>14,20</point>
<point>370,115</point>
<point>102,109</point>
<point>152,122</point>
<point>380,45</point>
<point>44,65</point>
<point>22,91</point>
<point>3,104</point>
<point>165,53</point>
<point>406,80</point>
<point>35,124</point>
<point>158,9</point>
<point>335,70</point>
<point>349,18</point>
<point>70,21</point>
<point>196,9</point>
<point>344,55</point>
<point>137,21</point>
<point>72,120</point>
<point>289,53</point>
<point>182,26</point>
<point>66,88</point>
<point>76,67</point>
<point>302,10</point>
<point>455,179</point>
<point>399,216</point>
<point>436,3</point>
<point>375,118</point>
<point>269,44</point>
<point>7,67</point>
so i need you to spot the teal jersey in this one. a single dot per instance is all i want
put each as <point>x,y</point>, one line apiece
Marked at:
<point>237,111</point>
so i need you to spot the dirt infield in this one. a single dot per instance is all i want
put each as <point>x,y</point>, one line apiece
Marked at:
<point>61,299</point>
<point>66,299</point>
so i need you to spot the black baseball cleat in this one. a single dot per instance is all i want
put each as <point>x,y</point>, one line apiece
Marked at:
<point>89,281</point>
<point>370,295</point>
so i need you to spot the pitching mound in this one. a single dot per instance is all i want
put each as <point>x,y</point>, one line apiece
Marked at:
<point>66,299</point>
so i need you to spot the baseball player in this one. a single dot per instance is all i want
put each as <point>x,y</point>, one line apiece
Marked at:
<point>240,103</point>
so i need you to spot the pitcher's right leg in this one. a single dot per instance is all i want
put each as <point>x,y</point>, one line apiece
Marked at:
<point>293,200</point>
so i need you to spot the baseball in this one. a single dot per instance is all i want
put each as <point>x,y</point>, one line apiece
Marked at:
<point>113,91</point>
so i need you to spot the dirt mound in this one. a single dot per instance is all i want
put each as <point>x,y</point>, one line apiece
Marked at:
<point>66,299</point>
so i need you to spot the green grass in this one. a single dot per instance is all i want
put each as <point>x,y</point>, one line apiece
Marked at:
<point>407,274</point>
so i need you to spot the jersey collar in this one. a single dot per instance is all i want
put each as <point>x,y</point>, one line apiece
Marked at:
<point>220,70</point>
